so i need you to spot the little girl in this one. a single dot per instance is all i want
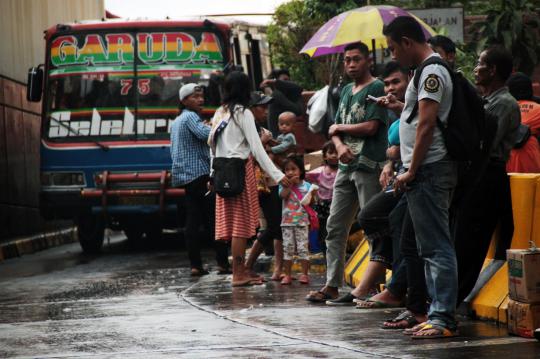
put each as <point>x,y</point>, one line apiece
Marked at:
<point>295,219</point>
<point>325,177</point>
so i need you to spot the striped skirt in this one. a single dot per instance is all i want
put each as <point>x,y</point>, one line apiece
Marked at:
<point>239,216</point>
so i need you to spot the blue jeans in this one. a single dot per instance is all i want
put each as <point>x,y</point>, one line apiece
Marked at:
<point>428,199</point>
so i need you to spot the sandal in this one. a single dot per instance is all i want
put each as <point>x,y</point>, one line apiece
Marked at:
<point>255,276</point>
<point>303,279</point>
<point>375,304</point>
<point>347,299</point>
<point>318,297</point>
<point>287,280</point>
<point>411,331</point>
<point>435,331</point>
<point>406,318</point>
<point>246,283</point>
<point>276,278</point>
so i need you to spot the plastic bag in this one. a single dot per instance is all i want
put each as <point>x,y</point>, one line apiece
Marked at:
<point>317,106</point>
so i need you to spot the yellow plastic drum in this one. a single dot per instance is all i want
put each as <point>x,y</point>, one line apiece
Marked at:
<point>523,188</point>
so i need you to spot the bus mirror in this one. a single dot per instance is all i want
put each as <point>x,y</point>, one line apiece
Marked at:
<point>34,86</point>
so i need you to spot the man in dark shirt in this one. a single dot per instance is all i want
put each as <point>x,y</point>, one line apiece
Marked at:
<point>287,97</point>
<point>489,202</point>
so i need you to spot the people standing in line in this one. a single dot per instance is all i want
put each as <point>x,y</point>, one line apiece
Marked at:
<point>489,202</point>
<point>360,138</point>
<point>269,199</point>
<point>190,170</point>
<point>287,96</point>
<point>526,158</point>
<point>408,282</point>
<point>430,175</point>
<point>295,218</point>
<point>374,216</point>
<point>234,135</point>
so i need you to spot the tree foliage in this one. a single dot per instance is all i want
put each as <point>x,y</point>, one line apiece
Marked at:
<point>514,25</point>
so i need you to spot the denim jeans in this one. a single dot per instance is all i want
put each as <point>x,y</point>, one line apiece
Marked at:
<point>428,197</point>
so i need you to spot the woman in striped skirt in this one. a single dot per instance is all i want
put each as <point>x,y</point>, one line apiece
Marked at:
<point>237,218</point>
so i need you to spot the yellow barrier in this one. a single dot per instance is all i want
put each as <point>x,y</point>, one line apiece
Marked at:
<point>535,235</point>
<point>357,264</point>
<point>523,187</point>
<point>491,301</point>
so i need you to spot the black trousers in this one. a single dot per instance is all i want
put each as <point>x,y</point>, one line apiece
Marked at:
<point>408,275</point>
<point>271,206</point>
<point>373,219</point>
<point>477,216</point>
<point>200,211</point>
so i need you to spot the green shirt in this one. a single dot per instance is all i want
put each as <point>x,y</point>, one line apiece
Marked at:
<point>369,151</point>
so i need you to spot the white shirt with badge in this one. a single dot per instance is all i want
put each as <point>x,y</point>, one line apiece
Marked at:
<point>435,84</point>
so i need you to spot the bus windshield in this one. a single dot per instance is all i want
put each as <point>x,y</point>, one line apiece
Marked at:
<point>124,85</point>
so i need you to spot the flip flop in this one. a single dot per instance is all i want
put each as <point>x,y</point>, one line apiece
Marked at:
<point>318,297</point>
<point>406,316</point>
<point>246,283</point>
<point>376,304</point>
<point>438,332</point>
<point>411,331</point>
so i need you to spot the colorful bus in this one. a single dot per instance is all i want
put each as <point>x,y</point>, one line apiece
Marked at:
<point>109,92</point>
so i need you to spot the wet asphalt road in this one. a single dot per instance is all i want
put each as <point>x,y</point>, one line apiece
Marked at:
<point>142,303</point>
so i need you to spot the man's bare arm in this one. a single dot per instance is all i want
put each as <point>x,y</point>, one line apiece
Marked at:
<point>364,129</point>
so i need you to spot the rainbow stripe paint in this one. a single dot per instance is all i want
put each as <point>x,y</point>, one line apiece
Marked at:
<point>114,53</point>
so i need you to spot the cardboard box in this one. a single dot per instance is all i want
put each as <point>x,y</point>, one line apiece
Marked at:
<point>524,275</point>
<point>523,318</point>
<point>313,160</point>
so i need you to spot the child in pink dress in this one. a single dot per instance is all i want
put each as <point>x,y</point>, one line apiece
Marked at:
<point>324,176</point>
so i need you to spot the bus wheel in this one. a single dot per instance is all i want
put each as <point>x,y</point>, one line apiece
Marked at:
<point>91,231</point>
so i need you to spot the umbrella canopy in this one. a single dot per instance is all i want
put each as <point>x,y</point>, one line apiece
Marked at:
<point>363,24</point>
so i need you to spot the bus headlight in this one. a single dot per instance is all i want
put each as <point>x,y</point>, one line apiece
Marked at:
<point>62,179</point>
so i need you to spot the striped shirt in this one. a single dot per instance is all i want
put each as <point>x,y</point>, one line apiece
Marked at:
<point>189,149</point>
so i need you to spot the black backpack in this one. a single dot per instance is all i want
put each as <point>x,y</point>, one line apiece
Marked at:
<point>465,131</point>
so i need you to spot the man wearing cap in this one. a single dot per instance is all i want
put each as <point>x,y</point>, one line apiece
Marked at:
<point>190,170</point>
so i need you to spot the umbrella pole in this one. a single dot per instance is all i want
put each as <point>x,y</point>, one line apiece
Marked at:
<point>374,51</point>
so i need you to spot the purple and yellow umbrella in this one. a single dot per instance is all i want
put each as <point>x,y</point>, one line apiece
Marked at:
<point>363,24</point>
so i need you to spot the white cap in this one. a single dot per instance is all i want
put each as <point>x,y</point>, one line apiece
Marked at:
<point>188,90</point>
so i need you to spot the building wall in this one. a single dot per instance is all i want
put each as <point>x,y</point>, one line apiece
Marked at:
<point>22,23</point>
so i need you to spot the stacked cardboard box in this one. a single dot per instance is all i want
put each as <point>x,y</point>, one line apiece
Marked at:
<point>524,291</point>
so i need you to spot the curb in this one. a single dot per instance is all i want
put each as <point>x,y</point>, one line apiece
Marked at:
<point>36,243</point>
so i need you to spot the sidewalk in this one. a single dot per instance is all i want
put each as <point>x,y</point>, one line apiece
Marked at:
<point>26,245</point>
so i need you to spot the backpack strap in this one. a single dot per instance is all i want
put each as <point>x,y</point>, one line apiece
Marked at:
<point>418,73</point>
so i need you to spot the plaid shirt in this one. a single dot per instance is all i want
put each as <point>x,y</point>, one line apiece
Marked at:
<point>189,149</point>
